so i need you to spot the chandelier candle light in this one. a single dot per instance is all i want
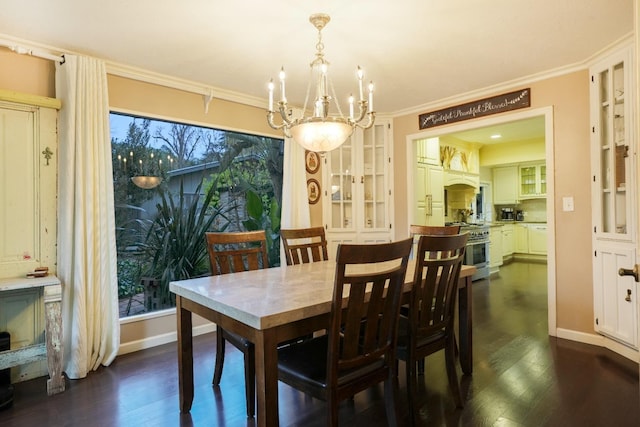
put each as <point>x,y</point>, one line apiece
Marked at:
<point>148,173</point>
<point>321,132</point>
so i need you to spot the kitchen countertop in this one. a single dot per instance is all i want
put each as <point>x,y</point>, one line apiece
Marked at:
<point>499,222</point>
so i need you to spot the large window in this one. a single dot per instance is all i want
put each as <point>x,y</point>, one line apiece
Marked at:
<point>172,183</point>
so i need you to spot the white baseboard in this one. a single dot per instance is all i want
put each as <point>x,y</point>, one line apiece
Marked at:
<point>157,340</point>
<point>600,341</point>
<point>568,334</point>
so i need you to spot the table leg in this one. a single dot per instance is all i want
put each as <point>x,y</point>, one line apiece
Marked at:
<point>185,356</point>
<point>465,326</point>
<point>267,378</point>
<point>53,326</point>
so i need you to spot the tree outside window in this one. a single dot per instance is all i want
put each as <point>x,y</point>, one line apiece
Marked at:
<point>211,180</point>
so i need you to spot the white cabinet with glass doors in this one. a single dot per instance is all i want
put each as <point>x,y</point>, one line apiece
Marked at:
<point>533,181</point>
<point>614,211</point>
<point>357,188</point>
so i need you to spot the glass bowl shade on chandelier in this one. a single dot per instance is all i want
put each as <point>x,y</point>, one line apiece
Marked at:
<point>146,182</point>
<point>321,135</point>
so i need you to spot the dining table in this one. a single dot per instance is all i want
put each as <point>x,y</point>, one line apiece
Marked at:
<point>273,305</point>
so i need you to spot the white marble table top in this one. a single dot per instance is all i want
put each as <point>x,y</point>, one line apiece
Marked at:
<point>270,297</point>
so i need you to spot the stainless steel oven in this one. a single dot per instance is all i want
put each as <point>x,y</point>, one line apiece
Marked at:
<point>477,250</point>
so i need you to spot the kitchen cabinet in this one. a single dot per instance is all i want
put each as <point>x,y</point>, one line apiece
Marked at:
<point>532,181</point>
<point>428,151</point>
<point>429,195</point>
<point>505,185</point>
<point>357,197</point>
<point>530,239</point>
<point>537,234</point>
<point>508,242</point>
<point>614,208</point>
<point>521,238</point>
<point>615,304</point>
<point>495,248</point>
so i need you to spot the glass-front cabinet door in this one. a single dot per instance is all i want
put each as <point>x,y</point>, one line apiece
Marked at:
<point>342,185</point>
<point>614,209</point>
<point>533,181</point>
<point>374,179</point>
<point>612,147</point>
<point>357,176</point>
<point>528,181</point>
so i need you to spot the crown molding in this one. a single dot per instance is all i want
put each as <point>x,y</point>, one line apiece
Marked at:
<point>207,91</point>
<point>146,76</point>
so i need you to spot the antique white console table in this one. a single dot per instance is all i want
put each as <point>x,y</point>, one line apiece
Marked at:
<point>52,348</point>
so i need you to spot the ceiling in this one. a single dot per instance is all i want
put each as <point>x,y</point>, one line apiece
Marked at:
<point>416,51</point>
<point>515,131</point>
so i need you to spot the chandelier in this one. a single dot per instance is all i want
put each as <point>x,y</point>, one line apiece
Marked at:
<point>318,131</point>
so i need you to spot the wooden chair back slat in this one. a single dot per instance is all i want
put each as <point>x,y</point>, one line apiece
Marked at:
<point>237,251</point>
<point>304,245</point>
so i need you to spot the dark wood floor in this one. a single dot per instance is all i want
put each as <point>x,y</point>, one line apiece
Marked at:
<point>522,377</point>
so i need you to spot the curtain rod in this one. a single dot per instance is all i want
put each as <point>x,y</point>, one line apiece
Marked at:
<point>31,52</point>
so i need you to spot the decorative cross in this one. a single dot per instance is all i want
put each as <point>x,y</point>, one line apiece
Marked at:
<point>47,154</point>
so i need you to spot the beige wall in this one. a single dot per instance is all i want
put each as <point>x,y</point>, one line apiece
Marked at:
<point>569,97</point>
<point>26,74</point>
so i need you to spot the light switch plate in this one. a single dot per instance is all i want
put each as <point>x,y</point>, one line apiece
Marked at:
<point>567,204</point>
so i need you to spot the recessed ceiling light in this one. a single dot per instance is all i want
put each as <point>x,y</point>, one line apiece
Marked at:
<point>496,136</point>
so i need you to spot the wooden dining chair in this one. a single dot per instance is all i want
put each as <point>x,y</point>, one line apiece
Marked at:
<point>429,326</point>
<point>229,253</point>
<point>433,230</point>
<point>354,354</point>
<point>303,245</point>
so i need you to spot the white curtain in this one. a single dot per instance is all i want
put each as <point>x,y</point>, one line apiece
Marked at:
<point>295,203</point>
<point>86,230</point>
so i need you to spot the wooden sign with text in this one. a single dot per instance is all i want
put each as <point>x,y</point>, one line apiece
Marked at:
<point>471,110</point>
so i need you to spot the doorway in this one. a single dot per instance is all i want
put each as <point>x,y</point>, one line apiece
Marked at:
<point>547,114</point>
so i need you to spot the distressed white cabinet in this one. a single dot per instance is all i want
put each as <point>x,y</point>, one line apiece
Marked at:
<point>17,306</point>
<point>614,208</point>
<point>357,197</point>
<point>28,161</point>
<point>505,185</point>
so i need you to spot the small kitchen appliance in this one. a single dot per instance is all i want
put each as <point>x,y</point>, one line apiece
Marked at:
<point>506,214</point>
